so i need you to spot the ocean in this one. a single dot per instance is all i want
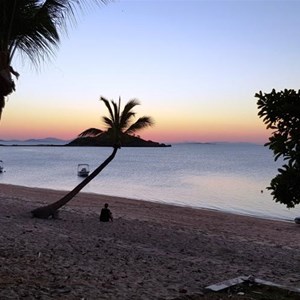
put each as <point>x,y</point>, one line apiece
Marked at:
<point>226,177</point>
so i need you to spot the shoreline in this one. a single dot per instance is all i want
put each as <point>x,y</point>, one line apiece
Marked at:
<point>150,251</point>
<point>94,194</point>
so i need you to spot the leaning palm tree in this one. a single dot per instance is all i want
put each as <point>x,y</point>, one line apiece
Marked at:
<point>118,125</point>
<point>32,28</point>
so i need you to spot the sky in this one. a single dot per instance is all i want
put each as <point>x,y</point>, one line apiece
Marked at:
<point>195,67</point>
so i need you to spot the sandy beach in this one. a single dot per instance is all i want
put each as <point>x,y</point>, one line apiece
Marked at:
<point>150,251</point>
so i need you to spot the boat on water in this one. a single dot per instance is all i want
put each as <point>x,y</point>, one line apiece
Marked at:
<point>1,166</point>
<point>83,170</point>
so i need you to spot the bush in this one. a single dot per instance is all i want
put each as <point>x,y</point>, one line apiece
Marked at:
<point>280,112</point>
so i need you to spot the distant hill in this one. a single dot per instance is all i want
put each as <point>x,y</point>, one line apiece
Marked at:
<point>104,141</point>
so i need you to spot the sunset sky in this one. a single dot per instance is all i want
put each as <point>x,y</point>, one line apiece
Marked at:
<point>194,65</point>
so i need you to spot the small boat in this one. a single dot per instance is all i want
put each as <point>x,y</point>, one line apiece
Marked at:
<point>83,170</point>
<point>297,220</point>
<point>1,166</point>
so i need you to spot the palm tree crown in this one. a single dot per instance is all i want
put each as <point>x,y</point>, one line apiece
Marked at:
<point>119,123</point>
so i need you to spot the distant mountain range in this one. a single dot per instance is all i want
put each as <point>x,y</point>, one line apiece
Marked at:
<point>45,141</point>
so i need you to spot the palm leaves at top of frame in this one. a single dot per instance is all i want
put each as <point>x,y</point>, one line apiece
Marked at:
<point>33,27</point>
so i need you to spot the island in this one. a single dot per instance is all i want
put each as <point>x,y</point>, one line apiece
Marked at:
<point>104,141</point>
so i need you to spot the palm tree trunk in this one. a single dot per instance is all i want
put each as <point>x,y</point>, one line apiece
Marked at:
<point>2,104</point>
<point>7,85</point>
<point>51,210</point>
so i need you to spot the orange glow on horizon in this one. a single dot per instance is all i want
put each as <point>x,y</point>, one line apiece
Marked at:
<point>66,123</point>
<point>165,132</point>
<point>163,135</point>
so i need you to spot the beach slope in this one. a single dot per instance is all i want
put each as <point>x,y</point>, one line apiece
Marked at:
<point>150,251</point>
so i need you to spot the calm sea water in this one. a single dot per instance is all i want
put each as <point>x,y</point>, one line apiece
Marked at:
<point>226,177</point>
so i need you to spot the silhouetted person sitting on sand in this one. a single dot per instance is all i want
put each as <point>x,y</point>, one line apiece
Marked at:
<point>106,214</point>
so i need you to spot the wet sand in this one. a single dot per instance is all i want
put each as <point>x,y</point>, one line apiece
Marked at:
<point>150,251</point>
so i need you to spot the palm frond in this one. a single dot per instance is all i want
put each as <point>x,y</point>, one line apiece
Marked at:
<point>107,104</point>
<point>127,113</point>
<point>108,122</point>
<point>36,35</point>
<point>34,27</point>
<point>141,123</point>
<point>91,132</point>
<point>125,120</point>
<point>116,113</point>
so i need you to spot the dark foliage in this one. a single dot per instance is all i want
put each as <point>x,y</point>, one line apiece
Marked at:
<point>280,112</point>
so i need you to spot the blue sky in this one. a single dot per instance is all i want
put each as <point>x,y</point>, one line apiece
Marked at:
<point>194,65</point>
